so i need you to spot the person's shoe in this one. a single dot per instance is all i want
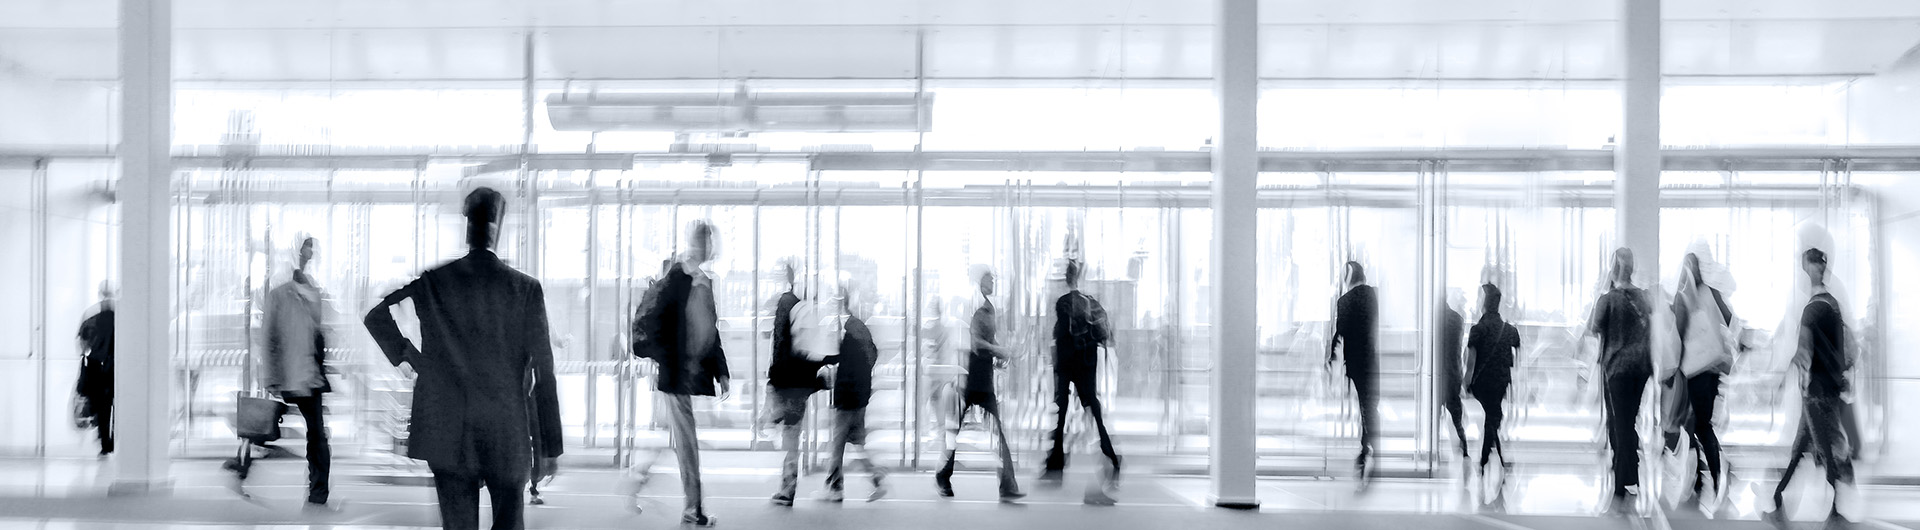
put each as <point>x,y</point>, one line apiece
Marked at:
<point>1052,476</point>
<point>1097,496</point>
<point>879,492</point>
<point>320,508</point>
<point>833,495</point>
<point>1011,495</point>
<point>699,520</point>
<point>536,501</point>
<point>943,482</point>
<point>784,498</point>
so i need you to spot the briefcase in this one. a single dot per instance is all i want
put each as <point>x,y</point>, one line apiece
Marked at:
<point>258,419</point>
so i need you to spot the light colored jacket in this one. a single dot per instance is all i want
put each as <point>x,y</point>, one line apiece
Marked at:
<point>295,325</point>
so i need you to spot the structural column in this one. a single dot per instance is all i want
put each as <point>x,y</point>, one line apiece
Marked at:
<point>142,360</point>
<point>1236,165</point>
<point>1636,155</point>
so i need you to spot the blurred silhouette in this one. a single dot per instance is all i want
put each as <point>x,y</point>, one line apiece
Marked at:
<point>1707,342</point>
<point>1491,346</point>
<point>294,367</point>
<point>1356,325</point>
<point>483,328</point>
<point>852,390</point>
<point>95,384</point>
<point>1821,359</point>
<point>793,376</point>
<point>985,355</point>
<point>1080,329</point>
<point>1622,320</point>
<point>677,326</point>
<point>1450,327</point>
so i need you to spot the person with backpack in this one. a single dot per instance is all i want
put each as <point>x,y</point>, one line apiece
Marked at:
<point>1356,322</point>
<point>1080,328</point>
<point>792,377</point>
<point>1491,346</point>
<point>1705,325</point>
<point>678,327</point>
<point>985,355</point>
<point>852,390</point>
<point>1622,318</point>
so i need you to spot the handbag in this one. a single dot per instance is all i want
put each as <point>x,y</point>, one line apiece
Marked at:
<point>258,419</point>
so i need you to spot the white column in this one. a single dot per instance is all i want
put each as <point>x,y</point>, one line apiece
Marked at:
<point>1636,156</point>
<point>142,358</point>
<point>1236,165</point>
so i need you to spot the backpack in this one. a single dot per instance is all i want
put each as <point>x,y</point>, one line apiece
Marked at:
<point>1088,326</point>
<point>648,317</point>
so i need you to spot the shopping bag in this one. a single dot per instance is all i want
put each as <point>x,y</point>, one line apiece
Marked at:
<point>258,419</point>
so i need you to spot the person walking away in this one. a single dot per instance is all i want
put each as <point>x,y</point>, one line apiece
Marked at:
<point>1622,320</point>
<point>680,331</point>
<point>95,384</point>
<point>1707,342</point>
<point>986,354</point>
<point>1491,346</point>
<point>1822,358</point>
<point>793,376</point>
<point>483,330</point>
<point>1356,326</point>
<point>852,390</point>
<point>1080,329</point>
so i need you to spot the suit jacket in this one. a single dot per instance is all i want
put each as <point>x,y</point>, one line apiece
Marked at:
<point>484,329</point>
<point>1357,322</point>
<point>694,358</point>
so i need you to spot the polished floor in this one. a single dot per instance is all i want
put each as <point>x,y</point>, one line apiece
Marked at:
<point>70,494</point>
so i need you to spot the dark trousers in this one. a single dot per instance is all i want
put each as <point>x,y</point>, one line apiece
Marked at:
<point>1450,402</point>
<point>1492,401</point>
<point>1702,391</point>
<point>319,453</point>
<point>459,492</point>
<point>1822,435</point>
<point>850,428</point>
<point>989,405</point>
<point>1623,392</point>
<point>1366,391</point>
<point>1085,384</point>
<point>103,418</point>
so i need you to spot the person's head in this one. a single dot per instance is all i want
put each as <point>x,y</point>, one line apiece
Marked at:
<point>1622,274</point>
<point>1489,299</point>
<point>787,272</point>
<point>1073,273</point>
<point>307,248</point>
<point>1456,299</point>
<point>1356,274</point>
<point>701,243</point>
<point>1814,261</point>
<point>484,208</point>
<point>983,277</point>
<point>1691,265</point>
<point>107,290</point>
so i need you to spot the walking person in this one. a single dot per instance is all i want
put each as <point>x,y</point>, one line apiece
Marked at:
<point>1821,359</point>
<point>1707,343</point>
<point>1446,349</point>
<point>1356,326</point>
<point>294,366</point>
<point>1080,329</point>
<point>1622,320</point>
<point>483,330</point>
<point>1491,347</point>
<point>95,384</point>
<point>985,355</point>
<point>679,329</point>
<point>792,377</point>
<point>852,390</point>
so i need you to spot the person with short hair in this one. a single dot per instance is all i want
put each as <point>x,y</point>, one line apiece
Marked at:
<point>1822,359</point>
<point>1491,347</point>
<point>793,376</point>
<point>852,390</point>
<point>483,330</point>
<point>1356,325</point>
<point>1622,318</point>
<point>986,353</point>
<point>1080,329</point>
<point>683,325</point>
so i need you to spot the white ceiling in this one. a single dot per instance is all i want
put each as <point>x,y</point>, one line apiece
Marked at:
<point>346,40</point>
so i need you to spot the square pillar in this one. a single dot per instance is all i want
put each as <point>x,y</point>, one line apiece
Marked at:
<point>1636,155</point>
<point>1234,249</point>
<point>143,365</point>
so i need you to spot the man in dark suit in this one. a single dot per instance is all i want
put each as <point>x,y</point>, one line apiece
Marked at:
<point>1356,323</point>
<point>484,328</point>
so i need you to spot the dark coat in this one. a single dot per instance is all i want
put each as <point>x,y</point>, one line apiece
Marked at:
<point>483,326</point>
<point>1356,322</point>
<point>853,383</point>
<point>687,368</point>
<point>790,369</point>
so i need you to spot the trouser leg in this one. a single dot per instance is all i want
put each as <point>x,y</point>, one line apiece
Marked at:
<point>1451,403</point>
<point>1366,393</point>
<point>1057,456</point>
<point>1703,391</point>
<point>1623,411</point>
<point>837,451</point>
<point>686,447</point>
<point>459,494</point>
<point>103,416</point>
<point>319,451</point>
<point>1090,400</point>
<point>790,464</point>
<point>506,479</point>
<point>1492,403</point>
<point>1007,482</point>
